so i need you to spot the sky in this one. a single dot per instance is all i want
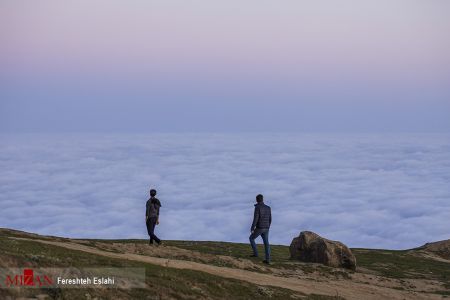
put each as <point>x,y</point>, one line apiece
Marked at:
<point>372,191</point>
<point>228,66</point>
<point>337,111</point>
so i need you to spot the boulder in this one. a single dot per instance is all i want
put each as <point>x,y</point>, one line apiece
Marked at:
<point>311,247</point>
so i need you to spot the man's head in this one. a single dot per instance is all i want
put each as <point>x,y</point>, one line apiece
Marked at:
<point>152,193</point>
<point>259,198</point>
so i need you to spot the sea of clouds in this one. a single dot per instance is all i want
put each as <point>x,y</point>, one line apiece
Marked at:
<point>377,191</point>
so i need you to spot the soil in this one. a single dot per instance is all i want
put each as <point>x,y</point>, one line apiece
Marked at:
<point>361,285</point>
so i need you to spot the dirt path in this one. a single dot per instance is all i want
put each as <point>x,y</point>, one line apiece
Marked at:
<point>345,288</point>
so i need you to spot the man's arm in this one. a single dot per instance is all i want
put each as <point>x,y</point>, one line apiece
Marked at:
<point>255,219</point>
<point>146,211</point>
<point>158,206</point>
<point>270,216</point>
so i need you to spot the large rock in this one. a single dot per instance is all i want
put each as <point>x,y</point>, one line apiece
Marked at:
<point>310,247</point>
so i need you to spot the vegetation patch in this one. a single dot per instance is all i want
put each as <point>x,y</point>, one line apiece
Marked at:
<point>162,282</point>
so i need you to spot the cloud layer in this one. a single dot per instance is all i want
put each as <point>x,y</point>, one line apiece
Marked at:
<point>387,191</point>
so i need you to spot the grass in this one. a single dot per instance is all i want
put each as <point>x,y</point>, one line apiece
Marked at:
<point>185,284</point>
<point>402,264</point>
<point>162,282</point>
<point>388,263</point>
<point>280,256</point>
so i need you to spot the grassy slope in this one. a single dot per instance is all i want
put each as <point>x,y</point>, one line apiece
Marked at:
<point>164,283</point>
<point>190,284</point>
<point>388,263</point>
<point>400,264</point>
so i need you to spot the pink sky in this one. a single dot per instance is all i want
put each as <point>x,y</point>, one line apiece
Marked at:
<point>231,46</point>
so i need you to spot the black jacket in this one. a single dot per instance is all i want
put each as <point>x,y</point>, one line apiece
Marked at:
<point>262,217</point>
<point>152,208</point>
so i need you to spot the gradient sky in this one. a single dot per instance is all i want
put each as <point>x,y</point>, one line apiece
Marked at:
<point>146,66</point>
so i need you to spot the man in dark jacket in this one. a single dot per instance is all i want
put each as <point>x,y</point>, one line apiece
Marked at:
<point>152,216</point>
<point>261,223</point>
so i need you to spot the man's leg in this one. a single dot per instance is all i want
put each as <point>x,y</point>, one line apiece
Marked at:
<point>252,238</point>
<point>149,230</point>
<point>152,231</point>
<point>265,237</point>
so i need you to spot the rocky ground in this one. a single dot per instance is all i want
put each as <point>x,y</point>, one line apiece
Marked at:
<point>216,270</point>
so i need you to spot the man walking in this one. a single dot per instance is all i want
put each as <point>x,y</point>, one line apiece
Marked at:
<point>152,216</point>
<point>261,223</point>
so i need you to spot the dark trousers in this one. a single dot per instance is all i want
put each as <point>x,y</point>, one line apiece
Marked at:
<point>151,223</point>
<point>264,233</point>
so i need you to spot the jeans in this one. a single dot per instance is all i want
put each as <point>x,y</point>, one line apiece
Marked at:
<point>151,222</point>
<point>264,233</point>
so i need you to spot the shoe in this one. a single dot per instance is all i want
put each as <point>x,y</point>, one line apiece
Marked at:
<point>159,243</point>
<point>266,262</point>
<point>253,255</point>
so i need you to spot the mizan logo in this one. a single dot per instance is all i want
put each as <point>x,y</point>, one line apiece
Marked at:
<point>28,279</point>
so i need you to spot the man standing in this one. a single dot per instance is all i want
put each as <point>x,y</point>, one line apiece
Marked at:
<point>261,223</point>
<point>152,216</point>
